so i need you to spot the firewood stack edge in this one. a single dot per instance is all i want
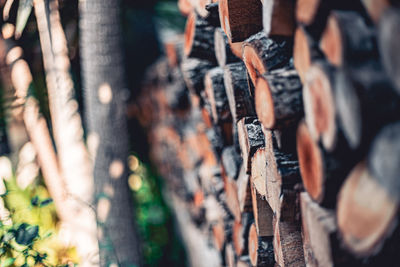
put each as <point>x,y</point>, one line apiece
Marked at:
<point>276,125</point>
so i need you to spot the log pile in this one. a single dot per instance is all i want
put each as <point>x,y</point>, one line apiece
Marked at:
<point>283,141</point>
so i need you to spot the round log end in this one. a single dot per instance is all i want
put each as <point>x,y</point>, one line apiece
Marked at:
<point>237,49</point>
<point>185,7</point>
<point>301,53</point>
<point>198,198</point>
<point>264,103</point>
<point>319,106</point>
<point>306,11</point>
<point>254,64</point>
<point>253,244</point>
<point>331,42</point>
<point>365,212</point>
<point>189,33</point>
<point>310,161</point>
<point>237,238</point>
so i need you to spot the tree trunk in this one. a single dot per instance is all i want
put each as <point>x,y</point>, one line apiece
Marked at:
<point>105,94</point>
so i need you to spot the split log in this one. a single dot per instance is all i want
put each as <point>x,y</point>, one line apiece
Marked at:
<point>263,214</point>
<point>240,102</point>
<point>193,71</point>
<point>347,39</point>
<point>366,211</point>
<point>240,235</point>
<point>388,32</point>
<point>323,172</point>
<point>216,94</point>
<point>305,51</point>
<point>262,54</point>
<point>279,99</point>
<point>359,89</point>
<point>261,249</point>
<point>288,245</point>
<point>231,162</point>
<point>240,18</point>
<point>278,17</point>
<point>319,104</point>
<point>251,138</point>
<point>313,14</point>
<point>199,38</point>
<point>244,190</point>
<point>232,198</point>
<point>223,51</point>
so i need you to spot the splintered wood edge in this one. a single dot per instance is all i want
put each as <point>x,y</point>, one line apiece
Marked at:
<point>306,11</point>
<point>253,244</point>
<point>264,103</point>
<point>189,33</point>
<point>331,42</point>
<point>185,7</point>
<point>258,172</point>
<point>365,212</point>
<point>319,106</point>
<point>301,53</point>
<point>310,161</point>
<point>253,63</point>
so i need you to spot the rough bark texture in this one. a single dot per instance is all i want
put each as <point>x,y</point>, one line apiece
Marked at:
<point>193,71</point>
<point>105,96</point>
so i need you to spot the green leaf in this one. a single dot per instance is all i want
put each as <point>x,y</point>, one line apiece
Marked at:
<point>24,11</point>
<point>26,234</point>
<point>7,262</point>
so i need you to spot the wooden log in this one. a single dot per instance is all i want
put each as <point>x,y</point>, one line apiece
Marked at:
<point>366,212</point>
<point>313,14</point>
<point>305,51</point>
<point>185,7</point>
<point>212,16</point>
<point>251,138</point>
<point>319,104</point>
<point>288,245</point>
<point>176,92</point>
<point>232,198</point>
<point>323,173</point>
<point>193,71</point>
<point>244,191</point>
<point>279,99</point>
<point>357,90</point>
<point>173,48</point>
<point>199,38</point>
<point>219,235</point>
<point>388,32</point>
<point>240,19</point>
<point>347,39</point>
<point>240,235</point>
<point>263,214</point>
<point>261,249</point>
<point>216,94</point>
<point>229,256</point>
<point>375,8</point>
<point>240,102</point>
<point>223,51</point>
<point>279,18</point>
<point>262,54</point>
<point>231,162</point>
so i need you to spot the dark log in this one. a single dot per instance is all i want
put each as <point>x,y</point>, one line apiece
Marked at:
<point>223,51</point>
<point>305,51</point>
<point>199,38</point>
<point>375,8</point>
<point>176,92</point>
<point>319,104</point>
<point>216,94</point>
<point>214,135</point>
<point>194,71</point>
<point>313,14</point>
<point>251,138</point>
<point>261,249</point>
<point>241,103</point>
<point>347,39</point>
<point>232,162</point>
<point>323,172</point>
<point>357,90</point>
<point>173,46</point>
<point>278,17</point>
<point>213,14</point>
<point>366,212</point>
<point>288,245</point>
<point>279,99</point>
<point>240,236</point>
<point>240,18</point>
<point>262,54</point>
<point>388,32</point>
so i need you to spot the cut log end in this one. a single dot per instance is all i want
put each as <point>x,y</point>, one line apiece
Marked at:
<point>185,7</point>
<point>253,244</point>
<point>264,103</point>
<point>306,11</point>
<point>331,42</point>
<point>301,53</point>
<point>254,64</point>
<point>224,17</point>
<point>319,106</point>
<point>365,212</point>
<point>237,49</point>
<point>310,161</point>
<point>189,33</point>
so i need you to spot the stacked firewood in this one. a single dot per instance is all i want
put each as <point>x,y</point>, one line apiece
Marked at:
<point>277,122</point>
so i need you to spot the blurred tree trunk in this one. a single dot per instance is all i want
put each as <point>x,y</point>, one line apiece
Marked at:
<point>105,94</point>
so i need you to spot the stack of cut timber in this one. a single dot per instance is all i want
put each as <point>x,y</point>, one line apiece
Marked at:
<point>276,123</point>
